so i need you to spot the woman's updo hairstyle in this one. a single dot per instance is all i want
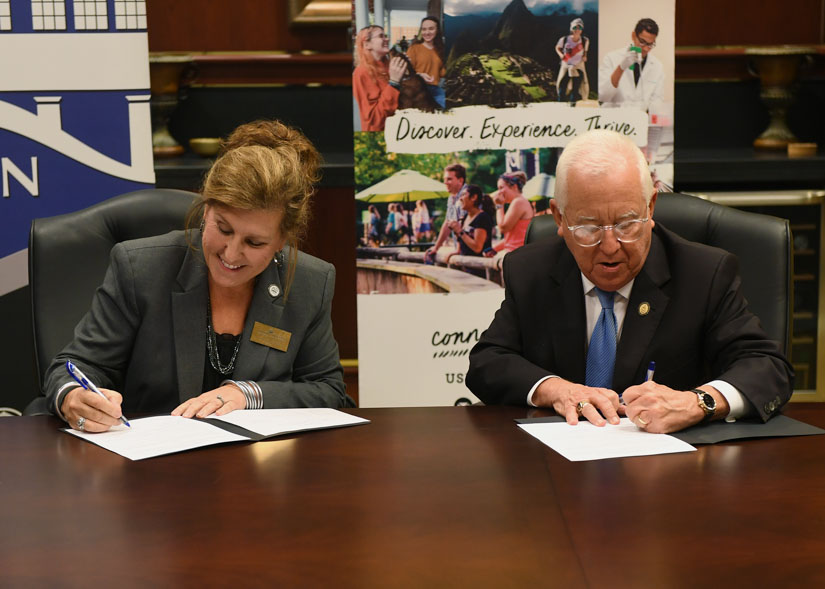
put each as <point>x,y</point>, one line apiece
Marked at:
<point>516,178</point>
<point>265,165</point>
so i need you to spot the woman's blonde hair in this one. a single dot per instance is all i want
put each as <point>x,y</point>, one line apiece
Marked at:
<point>265,165</point>
<point>363,57</point>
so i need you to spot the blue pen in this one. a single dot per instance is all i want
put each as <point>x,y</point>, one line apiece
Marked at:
<point>651,368</point>
<point>76,374</point>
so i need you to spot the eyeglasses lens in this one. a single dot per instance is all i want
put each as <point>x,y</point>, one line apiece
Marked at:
<point>626,232</point>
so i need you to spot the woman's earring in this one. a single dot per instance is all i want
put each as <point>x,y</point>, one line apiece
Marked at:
<point>203,224</point>
<point>279,258</point>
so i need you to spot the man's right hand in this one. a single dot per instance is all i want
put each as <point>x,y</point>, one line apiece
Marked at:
<point>630,58</point>
<point>599,406</point>
<point>100,414</point>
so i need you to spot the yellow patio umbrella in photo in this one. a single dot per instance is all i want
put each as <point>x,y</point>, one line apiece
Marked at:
<point>406,185</point>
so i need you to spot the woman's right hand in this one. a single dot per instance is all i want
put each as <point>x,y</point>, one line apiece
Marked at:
<point>426,77</point>
<point>397,69</point>
<point>98,414</point>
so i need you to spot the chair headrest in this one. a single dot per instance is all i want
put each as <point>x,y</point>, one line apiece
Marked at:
<point>69,254</point>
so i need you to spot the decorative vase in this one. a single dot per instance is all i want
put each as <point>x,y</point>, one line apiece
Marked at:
<point>165,73</point>
<point>777,68</point>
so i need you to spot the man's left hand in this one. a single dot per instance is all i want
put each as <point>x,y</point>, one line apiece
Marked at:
<point>659,409</point>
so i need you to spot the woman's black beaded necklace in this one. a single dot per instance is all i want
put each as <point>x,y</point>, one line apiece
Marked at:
<point>212,345</point>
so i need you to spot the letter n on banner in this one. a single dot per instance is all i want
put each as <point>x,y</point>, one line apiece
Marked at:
<point>75,126</point>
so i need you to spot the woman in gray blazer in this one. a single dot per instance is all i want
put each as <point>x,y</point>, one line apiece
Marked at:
<point>228,316</point>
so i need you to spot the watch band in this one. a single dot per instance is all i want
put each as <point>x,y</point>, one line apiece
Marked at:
<point>709,410</point>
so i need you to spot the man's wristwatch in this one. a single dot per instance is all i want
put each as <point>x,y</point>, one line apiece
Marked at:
<point>706,402</point>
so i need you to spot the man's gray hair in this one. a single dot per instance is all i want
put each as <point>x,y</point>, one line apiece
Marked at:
<point>596,154</point>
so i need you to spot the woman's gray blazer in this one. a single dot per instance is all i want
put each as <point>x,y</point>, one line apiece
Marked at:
<point>145,333</point>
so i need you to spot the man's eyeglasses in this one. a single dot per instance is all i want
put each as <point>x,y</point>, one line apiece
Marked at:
<point>644,43</point>
<point>591,235</point>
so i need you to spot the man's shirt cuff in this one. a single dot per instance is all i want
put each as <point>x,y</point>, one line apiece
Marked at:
<point>739,406</point>
<point>535,386</point>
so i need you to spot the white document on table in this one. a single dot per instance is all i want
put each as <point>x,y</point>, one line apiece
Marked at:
<point>271,422</point>
<point>166,434</point>
<point>586,441</point>
<point>155,436</point>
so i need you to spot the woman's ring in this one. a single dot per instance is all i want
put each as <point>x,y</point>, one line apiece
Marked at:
<point>81,423</point>
<point>222,401</point>
<point>640,420</point>
<point>581,405</point>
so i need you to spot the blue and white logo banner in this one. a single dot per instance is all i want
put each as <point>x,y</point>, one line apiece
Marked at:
<point>75,125</point>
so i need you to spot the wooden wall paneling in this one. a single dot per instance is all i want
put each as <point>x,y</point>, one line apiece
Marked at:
<point>736,64</point>
<point>768,22</point>
<point>331,237</point>
<point>272,68</point>
<point>234,25</point>
<point>255,25</point>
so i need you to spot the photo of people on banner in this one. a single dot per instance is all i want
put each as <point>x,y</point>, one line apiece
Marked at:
<point>394,77</point>
<point>502,52</point>
<point>462,211</point>
<point>496,53</point>
<point>413,208</point>
<point>460,110</point>
<point>636,69</point>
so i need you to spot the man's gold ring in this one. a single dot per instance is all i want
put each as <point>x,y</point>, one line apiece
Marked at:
<point>221,400</point>
<point>640,420</point>
<point>581,405</point>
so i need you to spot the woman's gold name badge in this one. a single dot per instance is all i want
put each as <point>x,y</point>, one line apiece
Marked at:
<point>269,336</point>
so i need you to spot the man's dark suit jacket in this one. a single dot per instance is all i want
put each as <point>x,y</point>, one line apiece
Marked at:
<point>686,312</point>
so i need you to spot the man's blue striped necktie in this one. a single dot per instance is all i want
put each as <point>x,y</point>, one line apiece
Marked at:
<point>601,354</point>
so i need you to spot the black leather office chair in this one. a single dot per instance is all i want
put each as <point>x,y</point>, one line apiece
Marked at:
<point>761,242</point>
<point>68,257</point>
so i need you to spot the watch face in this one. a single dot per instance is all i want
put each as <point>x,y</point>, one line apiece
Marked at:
<point>709,401</point>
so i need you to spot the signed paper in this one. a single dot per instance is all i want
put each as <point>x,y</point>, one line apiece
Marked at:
<point>165,434</point>
<point>155,436</point>
<point>586,441</point>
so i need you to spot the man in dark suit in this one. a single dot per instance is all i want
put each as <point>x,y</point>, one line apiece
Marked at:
<point>584,315</point>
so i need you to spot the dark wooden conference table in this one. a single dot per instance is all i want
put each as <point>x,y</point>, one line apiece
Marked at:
<point>424,497</point>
